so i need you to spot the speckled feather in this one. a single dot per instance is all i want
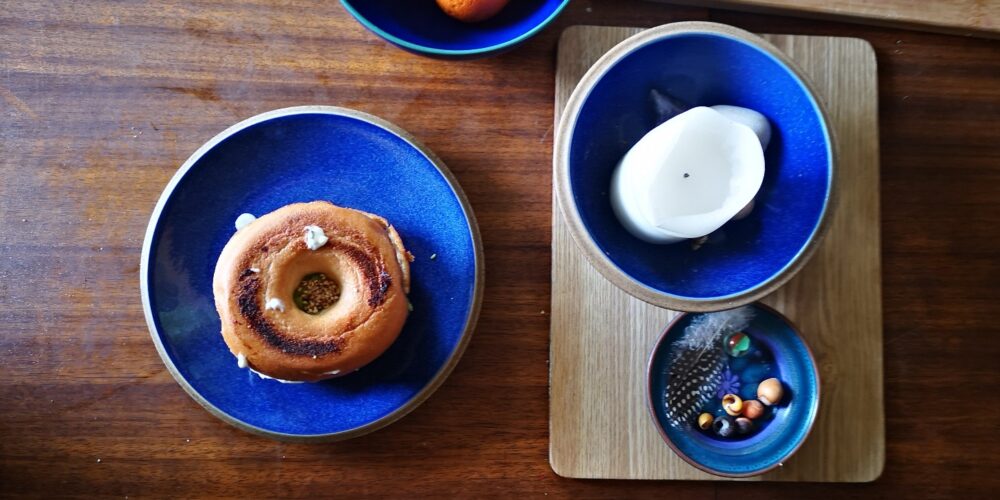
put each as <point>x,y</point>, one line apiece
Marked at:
<point>698,360</point>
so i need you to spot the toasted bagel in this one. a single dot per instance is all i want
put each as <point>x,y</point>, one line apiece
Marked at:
<point>257,287</point>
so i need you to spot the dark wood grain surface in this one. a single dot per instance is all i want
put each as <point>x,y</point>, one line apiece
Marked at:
<point>100,102</point>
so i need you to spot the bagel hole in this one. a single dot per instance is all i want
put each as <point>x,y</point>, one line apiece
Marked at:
<point>316,293</point>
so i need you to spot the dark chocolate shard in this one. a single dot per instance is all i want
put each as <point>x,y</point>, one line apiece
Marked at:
<point>666,106</point>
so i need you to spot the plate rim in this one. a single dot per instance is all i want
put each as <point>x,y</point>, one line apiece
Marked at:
<point>471,319</point>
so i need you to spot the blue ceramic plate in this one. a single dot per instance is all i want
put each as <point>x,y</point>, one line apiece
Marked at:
<point>422,27</point>
<point>777,350</point>
<point>700,64</point>
<point>305,154</point>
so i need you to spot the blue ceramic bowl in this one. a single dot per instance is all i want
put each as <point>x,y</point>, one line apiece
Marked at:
<point>422,27</point>
<point>777,351</point>
<point>304,154</point>
<point>702,64</point>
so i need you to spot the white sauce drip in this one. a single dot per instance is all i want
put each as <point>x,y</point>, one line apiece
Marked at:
<point>244,220</point>
<point>241,360</point>
<point>315,237</point>
<point>265,377</point>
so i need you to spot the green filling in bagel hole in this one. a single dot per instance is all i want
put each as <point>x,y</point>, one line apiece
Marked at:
<point>315,293</point>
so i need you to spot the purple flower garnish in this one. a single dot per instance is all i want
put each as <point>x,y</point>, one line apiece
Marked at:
<point>728,383</point>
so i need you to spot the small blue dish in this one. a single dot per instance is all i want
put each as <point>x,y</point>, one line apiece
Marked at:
<point>423,28</point>
<point>304,154</point>
<point>778,351</point>
<point>700,64</point>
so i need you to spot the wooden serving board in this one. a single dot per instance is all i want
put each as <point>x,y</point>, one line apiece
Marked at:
<point>963,17</point>
<point>601,337</point>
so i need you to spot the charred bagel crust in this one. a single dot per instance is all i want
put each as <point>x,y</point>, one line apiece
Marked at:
<point>268,258</point>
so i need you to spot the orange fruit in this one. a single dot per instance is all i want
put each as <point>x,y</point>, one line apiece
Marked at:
<point>472,11</point>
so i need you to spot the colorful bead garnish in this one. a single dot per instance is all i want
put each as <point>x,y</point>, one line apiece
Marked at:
<point>732,404</point>
<point>770,392</point>
<point>744,425</point>
<point>737,344</point>
<point>705,421</point>
<point>752,409</point>
<point>724,426</point>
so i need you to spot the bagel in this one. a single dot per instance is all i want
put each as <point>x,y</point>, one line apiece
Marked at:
<point>298,259</point>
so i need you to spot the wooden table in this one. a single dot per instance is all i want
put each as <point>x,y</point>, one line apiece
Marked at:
<point>101,102</point>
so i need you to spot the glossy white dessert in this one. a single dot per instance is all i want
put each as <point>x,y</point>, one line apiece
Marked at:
<point>691,174</point>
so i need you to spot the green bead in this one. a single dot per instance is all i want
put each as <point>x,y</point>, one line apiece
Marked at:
<point>737,344</point>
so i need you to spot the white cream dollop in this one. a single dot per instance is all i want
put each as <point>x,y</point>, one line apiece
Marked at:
<point>315,237</point>
<point>244,220</point>
<point>274,304</point>
<point>688,176</point>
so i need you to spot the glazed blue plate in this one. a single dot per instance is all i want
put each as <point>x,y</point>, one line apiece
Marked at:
<point>423,28</point>
<point>295,155</point>
<point>777,350</point>
<point>699,64</point>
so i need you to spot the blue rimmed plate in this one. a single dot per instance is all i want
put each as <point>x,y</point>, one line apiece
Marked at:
<point>777,351</point>
<point>423,28</point>
<point>303,154</point>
